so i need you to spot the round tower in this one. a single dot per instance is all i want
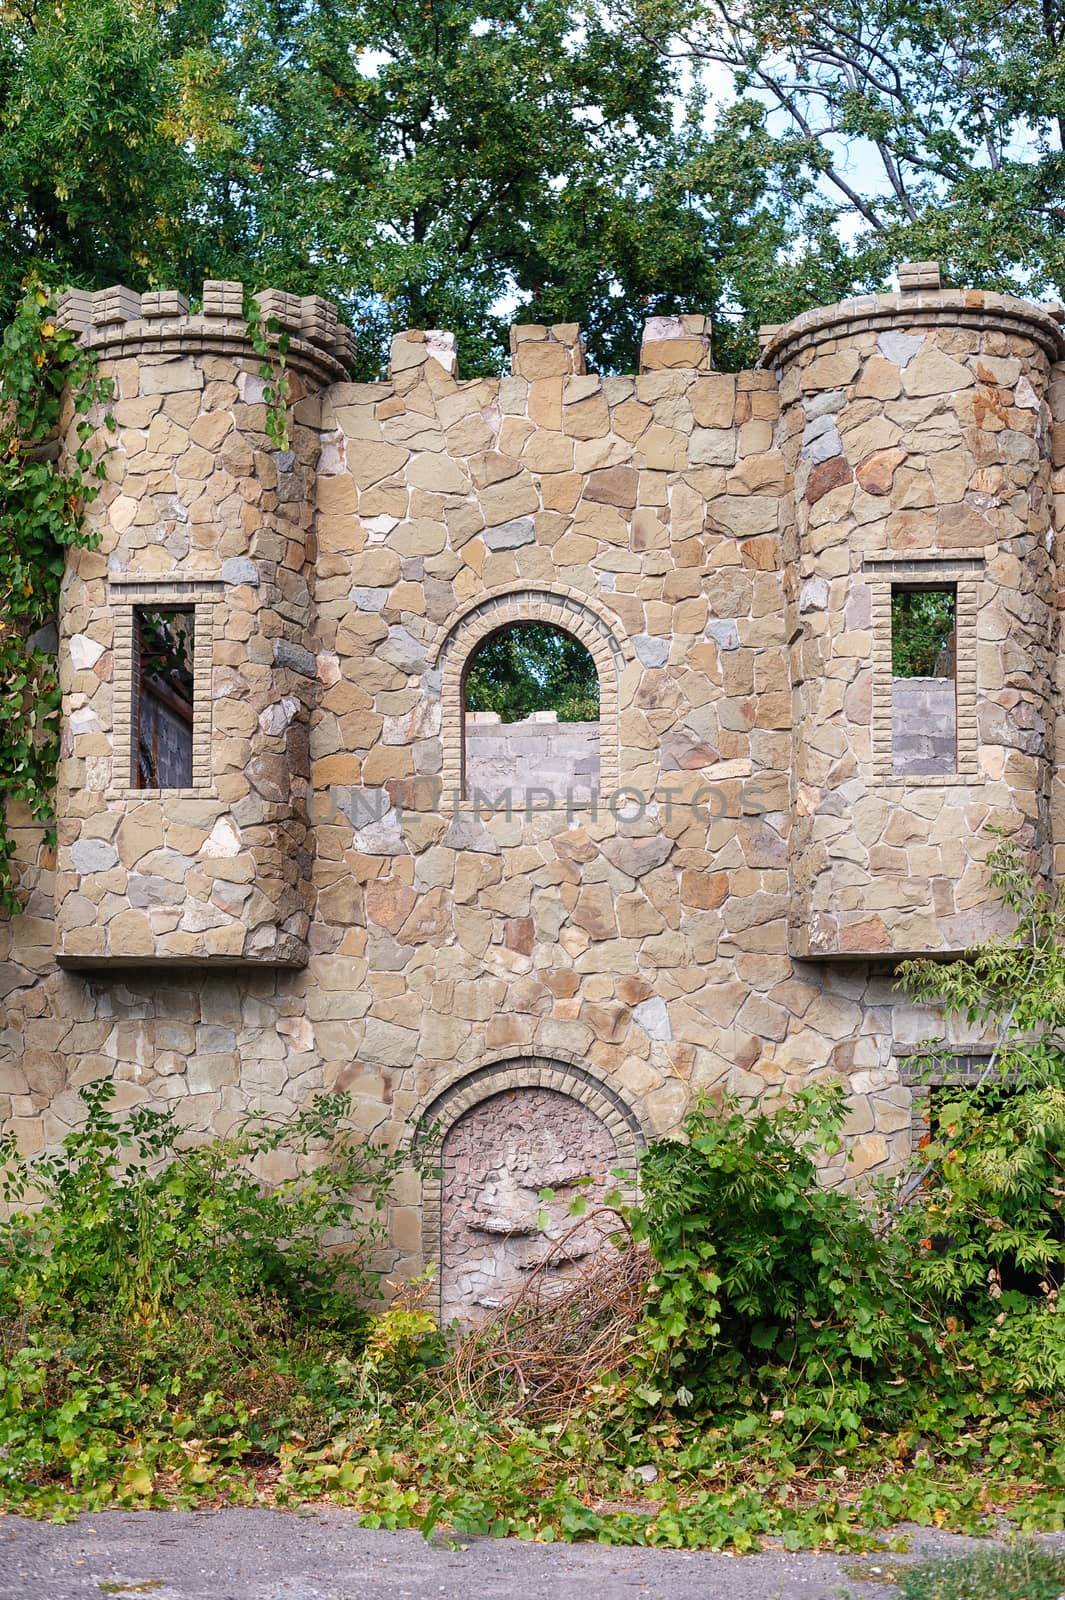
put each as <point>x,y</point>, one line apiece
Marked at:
<point>186,673</point>
<point>921,589</point>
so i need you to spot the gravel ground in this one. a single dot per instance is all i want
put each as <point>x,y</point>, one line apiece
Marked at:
<point>323,1554</point>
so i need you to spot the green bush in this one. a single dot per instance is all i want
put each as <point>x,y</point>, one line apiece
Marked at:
<point>769,1285</point>
<point>163,1308</point>
<point>136,1221</point>
<point>980,1213</point>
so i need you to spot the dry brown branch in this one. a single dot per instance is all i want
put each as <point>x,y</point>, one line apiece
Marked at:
<point>539,1355</point>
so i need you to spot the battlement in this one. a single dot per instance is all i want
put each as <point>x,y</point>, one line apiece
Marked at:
<point>119,322</point>
<point>730,547</point>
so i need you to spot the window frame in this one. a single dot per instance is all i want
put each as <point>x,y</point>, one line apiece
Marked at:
<point>127,597</point>
<point>963,574</point>
<point>573,615</point>
<point>915,587</point>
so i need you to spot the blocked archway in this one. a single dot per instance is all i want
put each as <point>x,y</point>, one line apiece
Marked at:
<point>498,1138</point>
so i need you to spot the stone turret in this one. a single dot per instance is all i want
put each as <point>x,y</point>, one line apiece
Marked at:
<point>917,429</point>
<point>183,833</point>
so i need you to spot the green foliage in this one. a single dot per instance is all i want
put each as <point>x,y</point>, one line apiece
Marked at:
<point>1025,1573</point>
<point>426,165</point>
<point>455,156</point>
<point>768,1285</point>
<point>922,632</point>
<point>985,1218</point>
<point>936,130</point>
<point>132,1221</point>
<point>100,126</point>
<point>41,510</point>
<point>808,1367</point>
<point>533,667</point>
<point>271,346</point>
<point>162,1307</point>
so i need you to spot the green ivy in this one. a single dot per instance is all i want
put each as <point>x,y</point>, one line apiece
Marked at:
<point>271,346</point>
<point>42,505</point>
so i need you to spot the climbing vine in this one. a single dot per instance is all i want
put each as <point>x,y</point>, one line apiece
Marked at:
<point>42,506</point>
<point>271,346</point>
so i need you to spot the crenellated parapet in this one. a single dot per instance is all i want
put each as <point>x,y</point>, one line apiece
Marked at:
<point>121,324</point>
<point>750,535</point>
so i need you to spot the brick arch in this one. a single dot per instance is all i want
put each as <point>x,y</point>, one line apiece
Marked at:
<point>440,1111</point>
<point>576,615</point>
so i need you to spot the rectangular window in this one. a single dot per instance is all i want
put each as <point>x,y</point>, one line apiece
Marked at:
<point>924,697</point>
<point>163,657</point>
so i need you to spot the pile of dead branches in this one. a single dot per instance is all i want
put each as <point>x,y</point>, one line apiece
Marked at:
<point>542,1351</point>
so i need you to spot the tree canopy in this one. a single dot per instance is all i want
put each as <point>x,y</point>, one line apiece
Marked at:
<point>532,666</point>
<point>458,162</point>
<point>440,164</point>
<point>938,130</point>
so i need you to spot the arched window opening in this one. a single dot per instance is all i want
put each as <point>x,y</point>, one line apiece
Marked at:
<point>531,719</point>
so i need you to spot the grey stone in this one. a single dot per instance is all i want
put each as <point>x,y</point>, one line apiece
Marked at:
<point>724,633</point>
<point>383,838</point>
<point>212,1039</point>
<point>634,857</point>
<point>816,427</point>
<point>295,657</point>
<point>93,855</point>
<point>370,599</point>
<point>824,447</point>
<point>813,596</point>
<point>274,719</point>
<point>653,1018</point>
<point>468,833</point>
<point>900,347</point>
<point>713,447</point>
<point>820,405</point>
<point>238,569</point>
<point>363,807</point>
<point>652,652</point>
<point>145,891</point>
<point>402,650</point>
<point>510,535</point>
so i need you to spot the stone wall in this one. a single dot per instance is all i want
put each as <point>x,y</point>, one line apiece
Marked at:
<point>726,914</point>
<point>924,725</point>
<point>526,763</point>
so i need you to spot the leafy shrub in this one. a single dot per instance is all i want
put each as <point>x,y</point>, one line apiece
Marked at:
<point>763,1274</point>
<point>164,1304</point>
<point>982,1215</point>
<point>132,1222</point>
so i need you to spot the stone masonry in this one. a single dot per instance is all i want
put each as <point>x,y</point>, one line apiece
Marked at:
<point>325,907</point>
